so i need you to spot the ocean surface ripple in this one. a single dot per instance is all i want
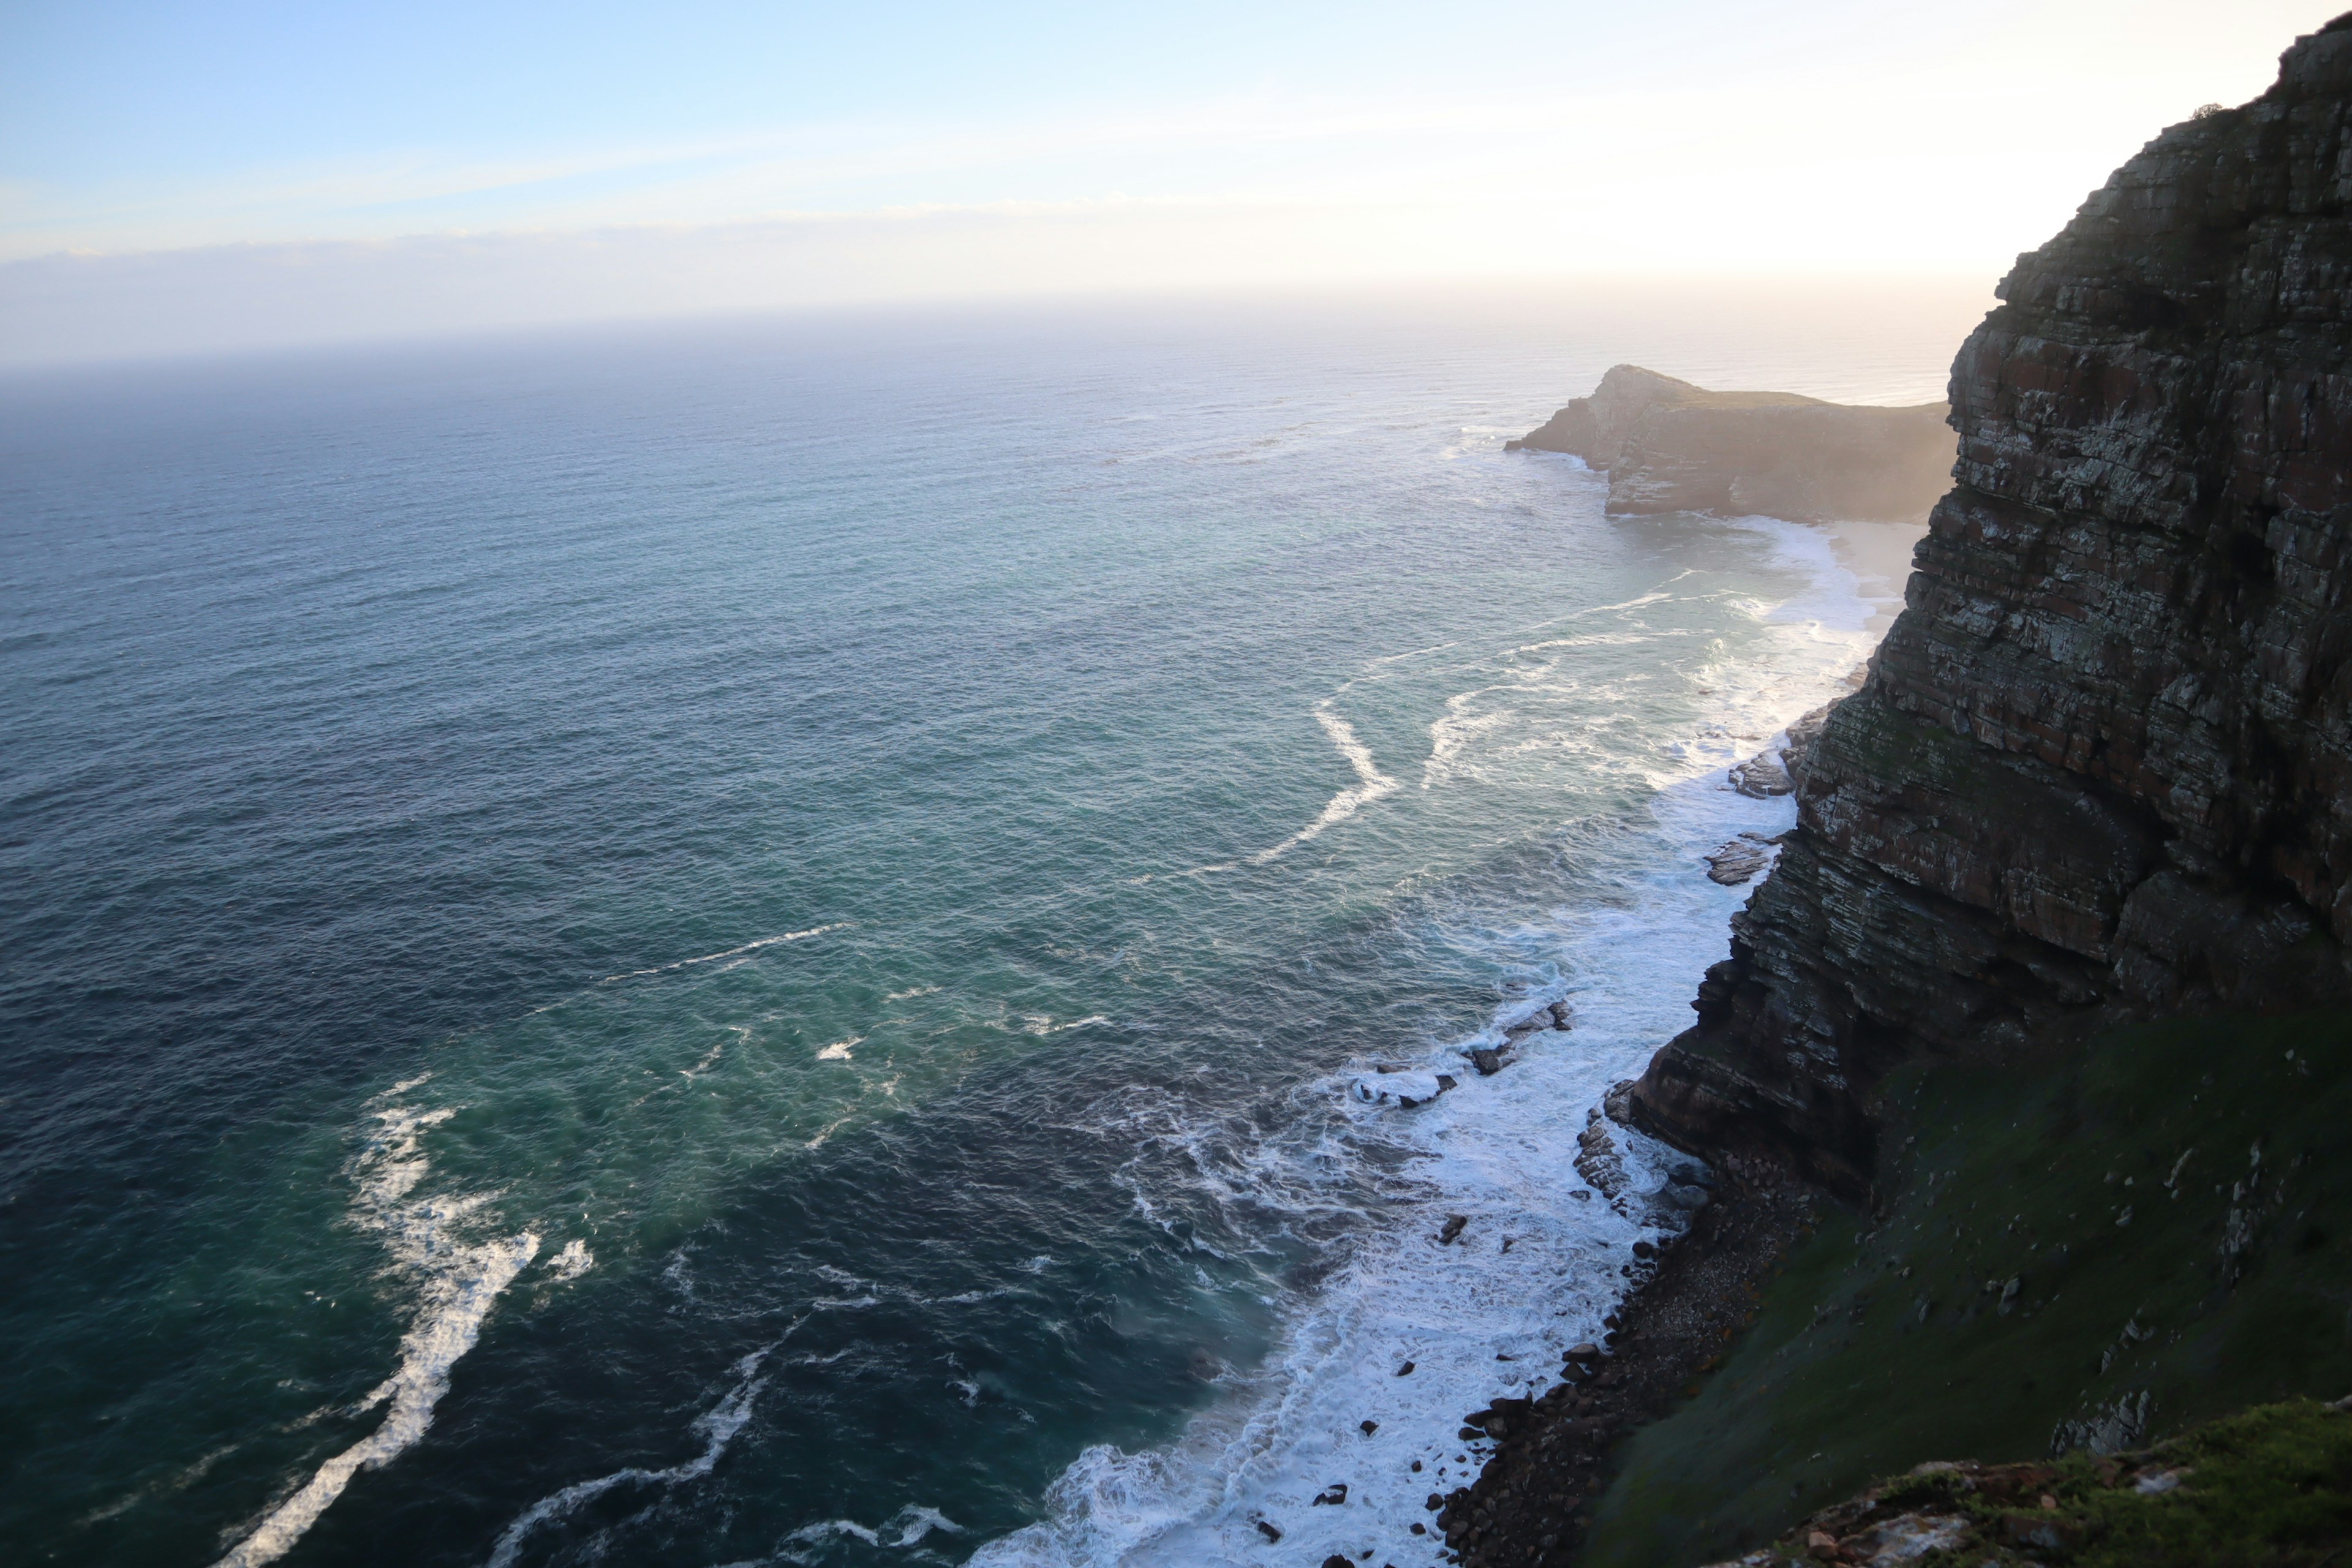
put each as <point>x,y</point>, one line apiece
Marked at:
<point>763,944</point>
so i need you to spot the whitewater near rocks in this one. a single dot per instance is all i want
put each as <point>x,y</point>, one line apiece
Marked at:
<point>838,1002</point>
<point>1497,1254</point>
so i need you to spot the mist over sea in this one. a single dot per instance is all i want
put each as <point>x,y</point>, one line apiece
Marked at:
<point>748,941</point>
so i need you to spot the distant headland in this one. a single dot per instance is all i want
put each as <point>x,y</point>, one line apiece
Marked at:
<point>1668,446</point>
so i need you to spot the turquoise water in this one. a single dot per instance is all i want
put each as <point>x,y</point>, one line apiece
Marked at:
<point>748,942</point>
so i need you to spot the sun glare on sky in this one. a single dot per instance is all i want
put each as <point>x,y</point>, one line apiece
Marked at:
<point>279,173</point>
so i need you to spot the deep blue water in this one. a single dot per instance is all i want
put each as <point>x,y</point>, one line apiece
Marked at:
<point>744,942</point>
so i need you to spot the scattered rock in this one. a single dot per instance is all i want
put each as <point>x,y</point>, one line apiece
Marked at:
<point>1738,861</point>
<point>1643,1249</point>
<point>2109,1430</point>
<point>1405,1370</point>
<point>1405,1089</point>
<point>1487,1060</point>
<point>1761,776</point>
<point>1369,1426</point>
<point>2047,1536</point>
<point>1539,1020</point>
<point>1452,1228</point>
<point>1336,1561</point>
<point>1551,1456</point>
<point>1269,1529</point>
<point>1331,1495</point>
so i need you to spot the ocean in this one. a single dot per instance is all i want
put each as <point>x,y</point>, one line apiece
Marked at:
<point>772,940</point>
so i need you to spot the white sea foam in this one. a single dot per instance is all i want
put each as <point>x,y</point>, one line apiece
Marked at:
<point>436,1241</point>
<point>730,953</point>
<point>1371,785</point>
<point>1450,735</point>
<point>570,1264</point>
<point>1047,1025</point>
<point>906,1528</point>
<point>717,1426</point>
<point>839,1050</point>
<point>1478,1317</point>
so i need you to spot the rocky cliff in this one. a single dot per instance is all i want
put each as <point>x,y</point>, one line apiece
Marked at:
<point>1668,446</point>
<point>2102,766</point>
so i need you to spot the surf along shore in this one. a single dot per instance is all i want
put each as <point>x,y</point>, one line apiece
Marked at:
<point>2048,995</point>
<point>1865,478</point>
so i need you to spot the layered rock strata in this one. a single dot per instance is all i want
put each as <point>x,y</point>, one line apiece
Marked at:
<point>2100,768</point>
<point>1668,446</point>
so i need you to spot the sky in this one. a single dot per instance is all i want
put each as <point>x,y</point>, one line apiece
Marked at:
<point>193,176</point>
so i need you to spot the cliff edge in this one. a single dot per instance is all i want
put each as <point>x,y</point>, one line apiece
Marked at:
<point>2101,769</point>
<point>1668,446</point>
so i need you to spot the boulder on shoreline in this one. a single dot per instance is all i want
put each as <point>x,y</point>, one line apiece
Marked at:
<point>1737,860</point>
<point>1400,1088</point>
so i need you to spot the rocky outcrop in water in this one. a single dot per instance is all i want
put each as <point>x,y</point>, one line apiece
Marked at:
<point>2100,768</point>
<point>1668,446</point>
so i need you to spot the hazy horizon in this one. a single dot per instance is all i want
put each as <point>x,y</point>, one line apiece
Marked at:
<point>274,178</point>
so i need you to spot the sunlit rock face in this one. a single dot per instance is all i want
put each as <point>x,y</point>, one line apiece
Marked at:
<point>2102,766</point>
<point>1668,446</point>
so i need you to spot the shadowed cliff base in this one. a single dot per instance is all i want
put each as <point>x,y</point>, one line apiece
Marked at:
<point>2087,1257</point>
<point>1668,446</point>
<point>2148,1234</point>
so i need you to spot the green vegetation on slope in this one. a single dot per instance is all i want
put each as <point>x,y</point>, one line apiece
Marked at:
<point>2271,1487</point>
<point>2152,1234</point>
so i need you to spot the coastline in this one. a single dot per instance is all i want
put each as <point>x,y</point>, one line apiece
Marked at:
<point>1334,1446</point>
<point>1556,1455</point>
<point>1553,1457</point>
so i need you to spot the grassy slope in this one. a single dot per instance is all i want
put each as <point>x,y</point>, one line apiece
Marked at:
<point>2269,1487</point>
<point>1992,1175</point>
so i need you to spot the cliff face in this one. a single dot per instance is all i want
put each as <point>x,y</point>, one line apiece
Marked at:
<point>1668,446</point>
<point>2102,766</point>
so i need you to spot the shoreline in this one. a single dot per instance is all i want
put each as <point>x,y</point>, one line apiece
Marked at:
<point>1554,1456</point>
<point>1332,1447</point>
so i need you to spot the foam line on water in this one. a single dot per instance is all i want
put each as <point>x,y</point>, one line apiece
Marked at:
<point>1371,785</point>
<point>1499,1151</point>
<point>434,1239</point>
<point>730,953</point>
<point>717,1426</point>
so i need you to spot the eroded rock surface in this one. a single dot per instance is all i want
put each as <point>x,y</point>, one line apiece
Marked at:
<point>2100,768</point>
